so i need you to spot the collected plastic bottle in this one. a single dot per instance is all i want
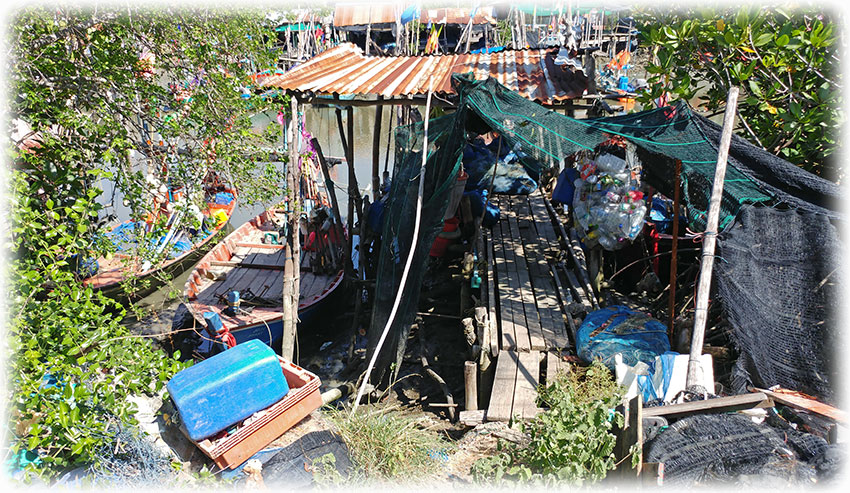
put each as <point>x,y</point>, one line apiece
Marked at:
<point>607,242</point>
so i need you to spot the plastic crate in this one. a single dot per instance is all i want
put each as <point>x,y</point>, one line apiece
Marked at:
<point>303,398</point>
<point>223,390</point>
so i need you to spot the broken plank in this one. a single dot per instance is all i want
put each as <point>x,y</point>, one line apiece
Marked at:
<point>472,418</point>
<point>801,401</point>
<point>527,379</point>
<point>504,382</point>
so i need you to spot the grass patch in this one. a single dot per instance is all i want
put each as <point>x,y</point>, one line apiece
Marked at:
<point>387,444</point>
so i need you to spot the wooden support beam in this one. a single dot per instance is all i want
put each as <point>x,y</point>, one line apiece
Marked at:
<point>629,435</point>
<point>267,246</point>
<point>718,405</point>
<point>222,263</point>
<point>470,380</point>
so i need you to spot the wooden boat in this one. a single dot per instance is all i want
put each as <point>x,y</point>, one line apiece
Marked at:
<point>250,262</point>
<point>181,246</point>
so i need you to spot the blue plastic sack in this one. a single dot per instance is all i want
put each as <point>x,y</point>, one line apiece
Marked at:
<point>619,329</point>
<point>565,188</point>
<point>477,205</point>
<point>223,198</point>
<point>512,176</point>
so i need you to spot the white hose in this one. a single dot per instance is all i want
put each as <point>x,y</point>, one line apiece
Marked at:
<point>407,265</point>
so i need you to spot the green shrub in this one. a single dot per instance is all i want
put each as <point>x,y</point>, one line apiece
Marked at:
<point>571,441</point>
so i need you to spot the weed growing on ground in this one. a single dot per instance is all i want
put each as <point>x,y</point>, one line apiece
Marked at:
<point>571,441</point>
<point>387,444</point>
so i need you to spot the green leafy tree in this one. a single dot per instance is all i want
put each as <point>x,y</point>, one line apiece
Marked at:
<point>100,94</point>
<point>785,62</point>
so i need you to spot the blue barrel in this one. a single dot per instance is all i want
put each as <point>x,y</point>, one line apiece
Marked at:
<point>623,83</point>
<point>227,388</point>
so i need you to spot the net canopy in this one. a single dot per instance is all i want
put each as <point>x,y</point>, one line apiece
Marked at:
<point>662,136</point>
<point>545,138</point>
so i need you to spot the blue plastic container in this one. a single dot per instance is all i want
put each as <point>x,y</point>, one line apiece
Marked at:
<point>227,388</point>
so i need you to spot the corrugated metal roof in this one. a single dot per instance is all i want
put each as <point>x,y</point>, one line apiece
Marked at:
<point>361,15</point>
<point>345,70</point>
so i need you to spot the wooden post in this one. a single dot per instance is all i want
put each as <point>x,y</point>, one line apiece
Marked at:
<point>353,187</point>
<point>349,158</point>
<point>292,265</point>
<point>295,227</point>
<point>710,239</point>
<point>376,150</point>
<point>470,375</point>
<point>673,261</point>
<point>369,30</point>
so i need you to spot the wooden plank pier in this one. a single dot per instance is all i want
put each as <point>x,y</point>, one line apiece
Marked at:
<point>527,318</point>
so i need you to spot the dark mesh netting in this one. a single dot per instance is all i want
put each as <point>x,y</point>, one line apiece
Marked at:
<point>728,448</point>
<point>778,279</point>
<point>446,137</point>
<point>770,283</point>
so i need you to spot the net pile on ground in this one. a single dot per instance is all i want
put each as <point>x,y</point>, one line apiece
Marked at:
<point>711,449</point>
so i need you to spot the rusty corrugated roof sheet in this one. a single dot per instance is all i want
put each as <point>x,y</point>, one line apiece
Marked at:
<point>345,70</point>
<point>361,15</point>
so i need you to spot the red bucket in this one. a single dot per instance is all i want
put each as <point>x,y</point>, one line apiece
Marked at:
<point>441,244</point>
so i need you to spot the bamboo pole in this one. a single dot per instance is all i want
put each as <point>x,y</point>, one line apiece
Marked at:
<point>295,227</point>
<point>673,260</point>
<point>369,30</point>
<point>710,239</point>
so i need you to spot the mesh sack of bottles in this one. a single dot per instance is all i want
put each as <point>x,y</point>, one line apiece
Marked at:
<point>608,204</point>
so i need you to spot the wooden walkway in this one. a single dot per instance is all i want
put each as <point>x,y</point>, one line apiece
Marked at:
<point>529,329</point>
